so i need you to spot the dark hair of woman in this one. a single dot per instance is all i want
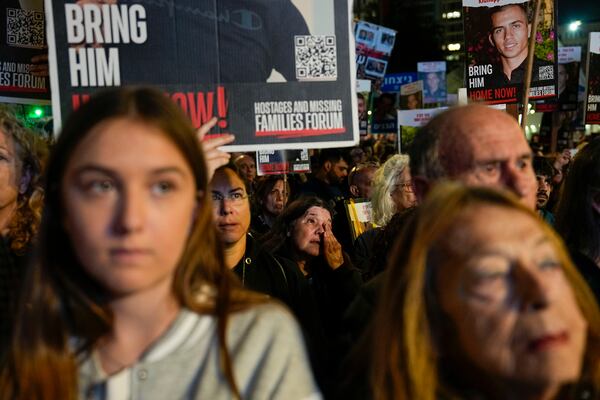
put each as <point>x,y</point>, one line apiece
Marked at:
<point>577,220</point>
<point>280,232</point>
<point>264,185</point>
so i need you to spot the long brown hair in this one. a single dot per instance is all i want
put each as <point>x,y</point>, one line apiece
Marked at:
<point>576,219</point>
<point>405,362</point>
<point>61,301</point>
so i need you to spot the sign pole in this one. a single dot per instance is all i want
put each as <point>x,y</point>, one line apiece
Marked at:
<point>530,57</point>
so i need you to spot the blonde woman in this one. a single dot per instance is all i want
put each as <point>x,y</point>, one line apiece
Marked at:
<point>392,189</point>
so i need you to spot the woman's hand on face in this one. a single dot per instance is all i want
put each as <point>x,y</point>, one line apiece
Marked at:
<point>332,249</point>
<point>214,157</point>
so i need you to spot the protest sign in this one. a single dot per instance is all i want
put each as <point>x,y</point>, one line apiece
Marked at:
<point>496,38</point>
<point>277,77</point>
<point>411,96</point>
<point>392,82</point>
<point>592,104</point>
<point>374,44</point>
<point>359,214</point>
<point>418,118</point>
<point>410,120</point>
<point>363,101</point>
<point>277,162</point>
<point>384,114</point>
<point>569,61</point>
<point>433,75</point>
<point>23,45</point>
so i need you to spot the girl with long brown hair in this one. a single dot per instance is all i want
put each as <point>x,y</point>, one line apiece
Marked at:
<point>129,296</point>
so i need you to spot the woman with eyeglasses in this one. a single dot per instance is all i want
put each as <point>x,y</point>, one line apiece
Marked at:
<point>303,234</point>
<point>392,189</point>
<point>392,194</point>
<point>129,296</point>
<point>254,266</point>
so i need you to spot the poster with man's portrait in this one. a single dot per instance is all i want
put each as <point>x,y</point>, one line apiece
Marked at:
<point>411,96</point>
<point>592,98</point>
<point>569,62</point>
<point>497,35</point>
<point>374,44</point>
<point>433,75</point>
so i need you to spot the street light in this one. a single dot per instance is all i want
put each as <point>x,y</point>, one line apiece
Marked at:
<point>573,26</point>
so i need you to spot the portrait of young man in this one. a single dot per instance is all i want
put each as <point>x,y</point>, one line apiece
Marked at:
<point>509,35</point>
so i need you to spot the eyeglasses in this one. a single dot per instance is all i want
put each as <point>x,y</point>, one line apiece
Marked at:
<point>406,186</point>
<point>233,198</point>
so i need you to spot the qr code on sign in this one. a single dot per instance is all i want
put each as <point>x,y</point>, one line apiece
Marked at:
<point>316,58</point>
<point>24,28</point>
<point>546,72</point>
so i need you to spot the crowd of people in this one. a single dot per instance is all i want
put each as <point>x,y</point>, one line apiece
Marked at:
<point>139,261</point>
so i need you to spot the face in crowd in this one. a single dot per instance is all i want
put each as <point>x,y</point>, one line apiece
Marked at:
<point>563,76</point>
<point>231,208</point>
<point>11,179</point>
<point>504,289</point>
<point>412,102</point>
<point>362,186</point>
<point>362,107</point>
<point>402,192</point>
<point>490,295</point>
<point>562,159</point>
<point>544,190</point>
<point>336,171</point>
<point>307,231</point>
<point>510,33</point>
<point>129,204</point>
<point>246,167</point>
<point>433,82</point>
<point>276,199</point>
<point>488,148</point>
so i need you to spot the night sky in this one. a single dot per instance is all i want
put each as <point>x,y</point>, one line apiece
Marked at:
<point>584,10</point>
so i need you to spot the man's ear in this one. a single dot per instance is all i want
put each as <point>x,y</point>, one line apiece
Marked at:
<point>421,186</point>
<point>327,166</point>
<point>25,181</point>
<point>528,30</point>
<point>354,190</point>
<point>491,40</point>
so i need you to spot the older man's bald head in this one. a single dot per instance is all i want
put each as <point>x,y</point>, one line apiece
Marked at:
<point>477,145</point>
